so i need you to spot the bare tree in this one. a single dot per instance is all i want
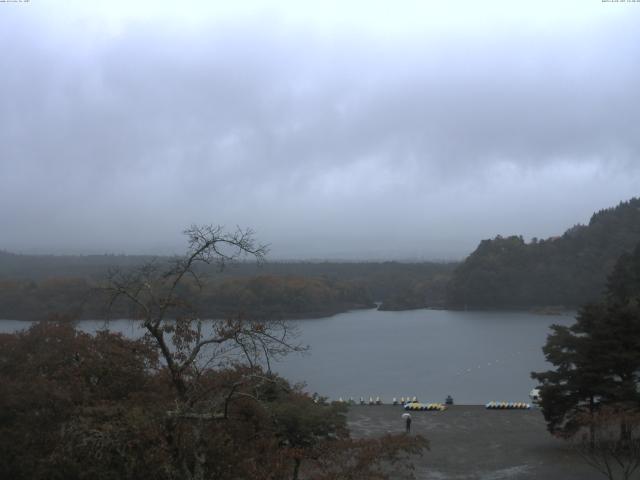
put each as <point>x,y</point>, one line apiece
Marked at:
<point>162,297</point>
<point>612,446</point>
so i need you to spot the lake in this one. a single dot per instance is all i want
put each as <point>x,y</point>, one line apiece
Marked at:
<point>473,356</point>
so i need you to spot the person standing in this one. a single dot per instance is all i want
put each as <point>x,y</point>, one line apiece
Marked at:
<point>407,422</point>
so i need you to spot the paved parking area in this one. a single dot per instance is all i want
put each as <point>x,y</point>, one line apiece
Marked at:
<point>470,442</point>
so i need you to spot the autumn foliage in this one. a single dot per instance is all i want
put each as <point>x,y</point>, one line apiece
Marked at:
<point>80,406</point>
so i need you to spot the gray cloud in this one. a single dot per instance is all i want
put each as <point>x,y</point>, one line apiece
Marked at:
<point>342,145</point>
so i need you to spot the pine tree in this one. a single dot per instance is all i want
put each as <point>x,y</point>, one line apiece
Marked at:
<point>596,360</point>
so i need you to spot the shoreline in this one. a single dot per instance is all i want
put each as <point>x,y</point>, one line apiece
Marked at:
<point>537,310</point>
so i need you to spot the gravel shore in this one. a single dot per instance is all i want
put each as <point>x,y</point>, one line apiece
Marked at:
<point>470,442</point>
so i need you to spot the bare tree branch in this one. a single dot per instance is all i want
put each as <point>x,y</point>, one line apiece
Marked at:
<point>613,445</point>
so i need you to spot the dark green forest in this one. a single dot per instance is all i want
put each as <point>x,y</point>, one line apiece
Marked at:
<point>565,271</point>
<point>253,297</point>
<point>70,285</point>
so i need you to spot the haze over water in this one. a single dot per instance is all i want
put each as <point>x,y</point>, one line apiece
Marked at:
<point>473,356</point>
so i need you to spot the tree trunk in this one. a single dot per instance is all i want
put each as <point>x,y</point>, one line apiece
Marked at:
<point>296,468</point>
<point>592,427</point>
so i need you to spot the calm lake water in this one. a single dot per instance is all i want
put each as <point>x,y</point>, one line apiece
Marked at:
<point>473,356</point>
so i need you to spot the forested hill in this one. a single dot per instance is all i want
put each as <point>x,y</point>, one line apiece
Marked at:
<point>35,285</point>
<point>568,271</point>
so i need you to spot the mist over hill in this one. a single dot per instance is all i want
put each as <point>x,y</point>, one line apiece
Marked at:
<point>569,270</point>
<point>503,272</point>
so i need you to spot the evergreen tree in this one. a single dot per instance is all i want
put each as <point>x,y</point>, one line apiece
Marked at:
<point>597,360</point>
<point>568,270</point>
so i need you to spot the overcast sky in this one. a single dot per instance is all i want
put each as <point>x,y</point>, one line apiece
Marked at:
<point>335,129</point>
